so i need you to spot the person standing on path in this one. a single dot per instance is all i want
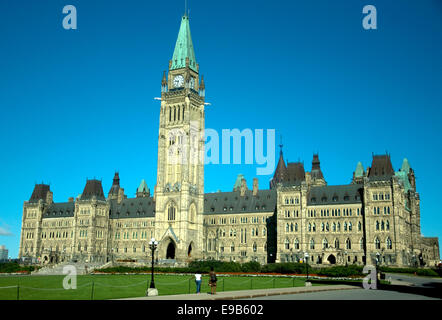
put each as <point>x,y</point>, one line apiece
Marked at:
<point>198,281</point>
<point>212,281</point>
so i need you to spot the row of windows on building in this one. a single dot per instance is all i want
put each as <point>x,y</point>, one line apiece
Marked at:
<point>234,220</point>
<point>126,235</point>
<point>243,208</point>
<point>212,247</point>
<point>29,235</point>
<point>56,235</point>
<point>378,210</point>
<point>325,244</point>
<point>291,200</point>
<point>346,212</point>
<point>232,233</point>
<point>381,196</point>
<point>31,214</point>
<point>136,224</point>
<point>381,226</point>
<point>325,227</point>
<point>59,223</point>
<point>335,198</point>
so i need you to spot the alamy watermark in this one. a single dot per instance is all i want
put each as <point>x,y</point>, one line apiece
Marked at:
<point>202,146</point>
<point>370,281</point>
<point>70,281</point>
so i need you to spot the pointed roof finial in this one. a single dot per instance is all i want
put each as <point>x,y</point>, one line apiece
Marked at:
<point>280,145</point>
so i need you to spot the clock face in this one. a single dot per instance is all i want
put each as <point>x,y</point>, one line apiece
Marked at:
<point>178,81</point>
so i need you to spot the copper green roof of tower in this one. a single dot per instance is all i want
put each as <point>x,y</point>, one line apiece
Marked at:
<point>359,172</point>
<point>143,187</point>
<point>405,166</point>
<point>184,47</point>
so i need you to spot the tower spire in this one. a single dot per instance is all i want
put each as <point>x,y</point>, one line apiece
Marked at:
<point>184,48</point>
<point>280,145</point>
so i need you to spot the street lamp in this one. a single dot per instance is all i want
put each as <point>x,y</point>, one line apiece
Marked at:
<point>307,283</point>
<point>152,291</point>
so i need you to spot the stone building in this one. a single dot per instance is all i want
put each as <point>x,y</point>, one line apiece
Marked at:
<point>375,219</point>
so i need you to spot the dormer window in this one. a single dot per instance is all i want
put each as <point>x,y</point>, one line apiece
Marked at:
<point>335,198</point>
<point>313,199</point>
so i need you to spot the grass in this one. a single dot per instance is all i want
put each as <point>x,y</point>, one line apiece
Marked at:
<point>101,287</point>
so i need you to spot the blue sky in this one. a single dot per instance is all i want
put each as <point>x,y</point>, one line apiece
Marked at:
<point>79,104</point>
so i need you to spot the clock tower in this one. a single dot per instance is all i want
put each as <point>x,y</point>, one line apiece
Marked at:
<point>179,191</point>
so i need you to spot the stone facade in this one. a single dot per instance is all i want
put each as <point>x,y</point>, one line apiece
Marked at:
<point>375,219</point>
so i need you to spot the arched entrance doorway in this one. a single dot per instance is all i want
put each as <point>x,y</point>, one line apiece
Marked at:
<point>170,252</point>
<point>189,251</point>
<point>331,259</point>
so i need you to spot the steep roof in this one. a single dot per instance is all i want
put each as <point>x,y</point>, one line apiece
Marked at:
<point>340,194</point>
<point>93,188</point>
<point>115,184</point>
<point>405,166</point>
<point>316,172</point>
<point>60,210</point>
<point>184,47</point>
<point>359,172</point>
<point>143,187</point>
<point>132,208</point>
<point>40,192</point>
<point>233,202</point>
<point>381,168</point>
<point>280,171</point>
<point>295,173</point>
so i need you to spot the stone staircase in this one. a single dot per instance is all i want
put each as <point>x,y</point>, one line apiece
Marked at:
<point>81,267</point>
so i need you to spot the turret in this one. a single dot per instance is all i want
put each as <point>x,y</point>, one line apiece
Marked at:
<point>143,191</point>
<point>317,178</point>
<point>164,83</point>
<point>113,192</point>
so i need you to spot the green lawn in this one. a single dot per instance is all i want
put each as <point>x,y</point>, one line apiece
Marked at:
<point>100,287</point>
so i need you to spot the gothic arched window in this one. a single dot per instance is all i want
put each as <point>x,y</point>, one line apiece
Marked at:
<point>171,213</point>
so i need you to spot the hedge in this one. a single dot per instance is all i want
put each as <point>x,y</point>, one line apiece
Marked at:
<point>419,272</point>
<point>281,268</point>
<point>11,267</point>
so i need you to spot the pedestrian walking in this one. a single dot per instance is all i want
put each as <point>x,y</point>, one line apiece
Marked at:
<point>198,281</point>
<point>212,281</point>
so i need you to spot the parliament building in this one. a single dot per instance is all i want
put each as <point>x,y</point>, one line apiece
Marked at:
<point>373,220</point>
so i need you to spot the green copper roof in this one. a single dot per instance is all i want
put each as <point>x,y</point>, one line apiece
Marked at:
<point>238,182</point>
<point>405,166</point>
<point>359,172</point>
<point>403,176</point>
<point>143,187</point>
<point>184,47</point>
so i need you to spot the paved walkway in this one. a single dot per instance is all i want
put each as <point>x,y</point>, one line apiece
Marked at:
<point>244,294</point>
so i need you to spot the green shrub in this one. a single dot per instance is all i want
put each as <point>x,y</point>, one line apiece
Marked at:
<point>340,271</point>
<point>11,267</point>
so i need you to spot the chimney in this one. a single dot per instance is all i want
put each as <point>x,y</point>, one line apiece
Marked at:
<point>308,178</point>
<point>70,199</point>
<point>255,186</point>
<point>243,187</point>
<point>120,195</point>
<point>49,197</point>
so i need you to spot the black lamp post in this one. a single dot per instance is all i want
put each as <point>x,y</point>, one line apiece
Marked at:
<point>153,244</point>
